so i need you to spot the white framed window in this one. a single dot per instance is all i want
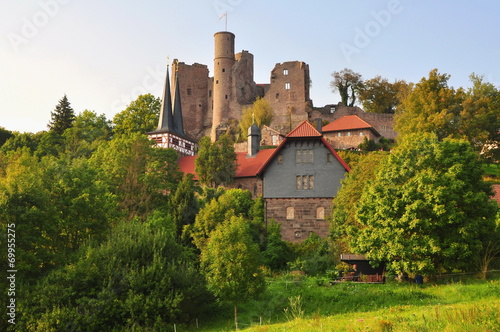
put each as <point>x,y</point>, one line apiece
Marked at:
<point>287,86</point>
<point>285,72</point>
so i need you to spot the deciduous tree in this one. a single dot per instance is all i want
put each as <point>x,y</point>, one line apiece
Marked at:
<point>428,209</point>
<point>260,113</point>
<point>348,84</point>
<point>378,95</point>
<point>140,116</point>
<point>216,162</point>
<point>231,263</point>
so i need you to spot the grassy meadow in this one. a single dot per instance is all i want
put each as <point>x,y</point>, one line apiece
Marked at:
<point>311,304</point>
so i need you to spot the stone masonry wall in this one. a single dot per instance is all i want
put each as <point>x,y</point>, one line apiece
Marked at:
<point>299,217</point>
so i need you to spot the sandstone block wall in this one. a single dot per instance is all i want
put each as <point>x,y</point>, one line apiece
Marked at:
<point>300,216</point>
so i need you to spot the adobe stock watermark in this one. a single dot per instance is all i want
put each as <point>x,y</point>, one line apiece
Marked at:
<point>31,26</point>
<point>223,6</point>
<point>153,80</point>
<point>364,36</point>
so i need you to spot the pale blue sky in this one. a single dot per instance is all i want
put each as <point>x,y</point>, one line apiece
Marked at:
<point>103,54</point>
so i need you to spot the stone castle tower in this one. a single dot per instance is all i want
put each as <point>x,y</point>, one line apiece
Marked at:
<point>211,105</point>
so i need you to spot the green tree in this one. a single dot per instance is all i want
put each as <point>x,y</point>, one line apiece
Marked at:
<point>480,115</point>
<point>5,135</point>
<point>378,95</point>
<point>88,131</point>
<point>63,117</point>
<point>139,278</point>
<point>183,205</point>
<point>231,263</point>
<point>260,113</point>
<point>345,204</point>
<point>138,173</point>
<point>233,202</point>
<point>140,116</point>
<point>348,84</point>
<point>431,107</point>
<point>216,162</point>
<point>428,209</point>
<point>20,140</point>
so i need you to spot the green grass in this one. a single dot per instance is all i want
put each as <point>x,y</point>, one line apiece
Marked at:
<point>492,173</point>
<point>311,304</point>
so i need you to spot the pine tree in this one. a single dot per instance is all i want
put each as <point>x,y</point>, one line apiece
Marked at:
<point>62,117</point>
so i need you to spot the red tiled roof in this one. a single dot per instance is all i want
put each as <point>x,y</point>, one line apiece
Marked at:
<point>304,129</point>
<point>247,166</point>
<point>348,122</point>
<point>254,166</point>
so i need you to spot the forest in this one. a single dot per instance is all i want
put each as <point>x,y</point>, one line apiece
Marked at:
<point>100,231</point>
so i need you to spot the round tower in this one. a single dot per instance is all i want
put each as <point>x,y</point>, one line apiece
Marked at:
<point>223,64</point>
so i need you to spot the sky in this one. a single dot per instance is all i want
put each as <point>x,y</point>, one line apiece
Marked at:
<point>104,54</point>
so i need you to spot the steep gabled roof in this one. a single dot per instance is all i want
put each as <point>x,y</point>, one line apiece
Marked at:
<point>304,129</point>
<point>348,122</point>
<point>255,166</point>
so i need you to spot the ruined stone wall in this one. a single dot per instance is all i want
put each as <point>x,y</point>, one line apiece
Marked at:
<point>382,122</point>
<point>288,95</point>
<point>349,139</point>
<point>193,83</point>
<point>300,216</point>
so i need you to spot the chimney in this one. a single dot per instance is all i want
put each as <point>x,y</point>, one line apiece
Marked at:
<point>319,125</point>
<point>253,140</point>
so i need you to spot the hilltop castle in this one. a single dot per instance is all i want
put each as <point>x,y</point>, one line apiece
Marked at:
<point>212,104</point>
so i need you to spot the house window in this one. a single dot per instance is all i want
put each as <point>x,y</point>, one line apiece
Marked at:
<point>304,182</point>
<point>280,159</point>
<point>339,134</point>
<point>290,213</point>
<point>320,213</point>
<point>287,86</point>
<point>175,141</point>
<point>285,72</point>
<point>360,133</point>
<point>348,133</point>
<point>304,156</point>
<point>329,157</point>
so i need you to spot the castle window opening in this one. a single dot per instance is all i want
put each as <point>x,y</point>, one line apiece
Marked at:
<point>277,95</point>
<point>189,91</point>
<point>223,70</point>
<point>285,72</point>
<point>217,82</point>
<point>226,96</point>
<point>209,93</point>
<point>287,86</point>
<point>298,234</point>
<point>332,110</point>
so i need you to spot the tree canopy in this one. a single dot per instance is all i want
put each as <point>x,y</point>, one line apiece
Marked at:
<point>260,113</point>
<point>348,84</point>
<point>378,95</point>
<point>428,208</point>
<point>140,116</point>
<point>231,263</point>
<point>216,162</point>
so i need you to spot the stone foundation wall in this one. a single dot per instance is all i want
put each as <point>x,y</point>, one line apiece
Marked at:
<point>299,217</point>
